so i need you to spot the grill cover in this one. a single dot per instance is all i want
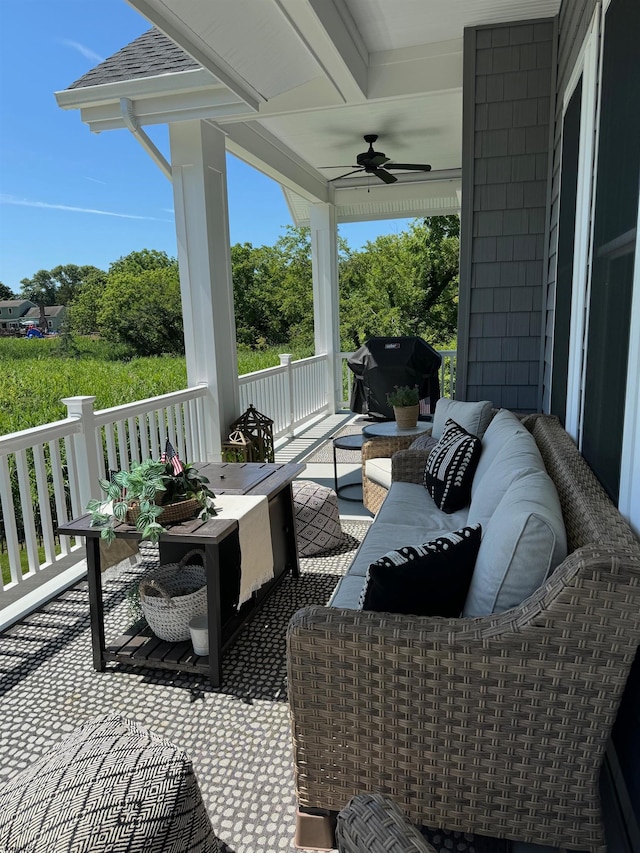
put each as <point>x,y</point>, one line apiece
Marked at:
<point>383,363</point>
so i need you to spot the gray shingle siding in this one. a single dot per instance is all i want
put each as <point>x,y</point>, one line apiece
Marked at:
<point>508,79</point>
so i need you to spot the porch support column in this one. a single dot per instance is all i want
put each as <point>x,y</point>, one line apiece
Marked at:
<point>199,173</point>
<point>326,305</point>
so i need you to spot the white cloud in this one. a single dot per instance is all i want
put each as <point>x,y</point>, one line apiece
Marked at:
<point>7,199</point>
<point>95,180</point>
<point>83,50</point>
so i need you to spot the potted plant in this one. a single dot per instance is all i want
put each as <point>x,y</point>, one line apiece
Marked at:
<point>405,401</point>
<point>150,493</point>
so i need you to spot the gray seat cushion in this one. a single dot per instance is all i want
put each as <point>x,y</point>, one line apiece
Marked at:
<point>523,542</point>
<point>109,786</point>
<point>474,417</point>
<point>379,471</point>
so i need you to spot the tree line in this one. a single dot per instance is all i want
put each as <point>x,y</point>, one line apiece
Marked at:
<point>398,284</point>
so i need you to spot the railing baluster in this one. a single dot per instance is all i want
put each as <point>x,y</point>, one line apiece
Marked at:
<point>28,521</point>
<point>58,492</point>
<point>112,456</point>
<point>143,428</point>
<point>10,526</point>
<point>42,487</point>
<point>134,455</point>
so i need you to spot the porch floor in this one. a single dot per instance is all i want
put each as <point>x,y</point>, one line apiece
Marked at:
<point>238,737</point>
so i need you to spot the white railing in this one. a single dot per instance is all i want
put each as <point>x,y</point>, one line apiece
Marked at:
<point>290,394</point>
<point>447,375</point>
<point>47,474</point>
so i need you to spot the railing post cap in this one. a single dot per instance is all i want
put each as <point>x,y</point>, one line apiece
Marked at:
<point>285,358</point>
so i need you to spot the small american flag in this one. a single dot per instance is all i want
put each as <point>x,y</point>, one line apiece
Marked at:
<point>170,455</point>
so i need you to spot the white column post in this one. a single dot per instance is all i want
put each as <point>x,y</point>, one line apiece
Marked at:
<point>326,303</point>
<point>198,162</point>
<point>89,464</point>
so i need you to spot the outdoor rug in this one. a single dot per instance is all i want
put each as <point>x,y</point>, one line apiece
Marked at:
<point>324,453</point>
<point>238,738</point>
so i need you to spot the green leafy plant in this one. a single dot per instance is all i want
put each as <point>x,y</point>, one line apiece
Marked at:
<point>150,487</point>
<point>403,395</point>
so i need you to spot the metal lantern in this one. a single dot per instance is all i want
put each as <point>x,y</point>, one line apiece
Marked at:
<point>258,428</point>
<point>237,448</point>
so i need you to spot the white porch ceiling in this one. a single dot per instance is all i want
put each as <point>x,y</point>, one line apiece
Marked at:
<point>308,78</point>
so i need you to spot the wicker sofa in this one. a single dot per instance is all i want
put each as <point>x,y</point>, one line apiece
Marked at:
<point>497,724</point>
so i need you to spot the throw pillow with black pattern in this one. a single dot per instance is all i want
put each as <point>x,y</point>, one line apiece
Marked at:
<point>450,467</point>
<point>424,580</point>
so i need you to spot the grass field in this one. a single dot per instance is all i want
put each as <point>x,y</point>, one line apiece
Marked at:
<point>37,374</point>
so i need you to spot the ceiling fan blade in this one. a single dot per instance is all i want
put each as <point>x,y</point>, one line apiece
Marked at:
<point>413,167</point>
<point>377,160</point>
<point>384,176</point>
<point>346,175</point>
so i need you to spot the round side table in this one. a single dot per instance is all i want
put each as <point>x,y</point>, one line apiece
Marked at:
<point>347,442</point>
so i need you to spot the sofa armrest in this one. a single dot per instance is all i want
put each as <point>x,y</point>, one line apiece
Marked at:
<point>372,823</point>
<point>385,446</point>
<point>480,724</point>
<point>407,466</point>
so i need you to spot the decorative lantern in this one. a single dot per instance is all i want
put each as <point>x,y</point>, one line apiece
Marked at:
<point>237,448</point>
<point>259,429</point>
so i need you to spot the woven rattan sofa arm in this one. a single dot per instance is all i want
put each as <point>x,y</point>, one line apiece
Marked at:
<point>478,711</point>
<point>407,466</point>
<point>373,823</point>
<point>384,447</point>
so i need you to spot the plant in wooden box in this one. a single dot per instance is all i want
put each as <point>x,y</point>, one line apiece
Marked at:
<point>152,493</point>
<point>405,400</point>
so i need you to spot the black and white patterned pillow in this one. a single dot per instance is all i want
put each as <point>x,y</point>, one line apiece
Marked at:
<point>424,580</point>
<point>450,467</point>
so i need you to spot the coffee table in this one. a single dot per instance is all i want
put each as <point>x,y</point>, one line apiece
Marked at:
<point>138,646</point>
<point>388,428</point>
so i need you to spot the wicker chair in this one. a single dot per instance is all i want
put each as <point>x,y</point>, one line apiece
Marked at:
<point>495,725</point>
<point>373,494</point>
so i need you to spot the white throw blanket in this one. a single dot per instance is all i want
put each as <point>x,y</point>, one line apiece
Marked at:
<point>254,532</point>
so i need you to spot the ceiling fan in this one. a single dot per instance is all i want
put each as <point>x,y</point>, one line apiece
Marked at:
<point>378,164</point>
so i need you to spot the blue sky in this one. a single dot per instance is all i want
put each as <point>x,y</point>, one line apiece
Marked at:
<point>70,196</point>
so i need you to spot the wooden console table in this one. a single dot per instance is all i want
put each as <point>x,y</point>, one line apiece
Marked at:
<point>219,539</point>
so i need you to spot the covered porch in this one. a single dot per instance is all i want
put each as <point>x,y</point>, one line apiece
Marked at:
<point>524,110</point>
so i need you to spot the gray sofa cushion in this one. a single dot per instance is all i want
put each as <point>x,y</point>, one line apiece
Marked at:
<point>411,504</point>
<point>518,456</point>
<point>474,417</point>
<point>503,426</point>
<point>522,544</point>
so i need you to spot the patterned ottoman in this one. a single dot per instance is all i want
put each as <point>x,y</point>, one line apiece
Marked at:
<point>317,520</point>
<point>110,786</point>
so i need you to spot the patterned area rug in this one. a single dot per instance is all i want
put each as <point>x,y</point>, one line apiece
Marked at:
<point>238,738</point>
<point>324,453</point>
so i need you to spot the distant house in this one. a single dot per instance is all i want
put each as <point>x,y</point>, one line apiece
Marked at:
<point>13,310</point>
<point>55,316</point>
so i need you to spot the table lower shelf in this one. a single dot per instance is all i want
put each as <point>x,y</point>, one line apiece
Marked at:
<point>140,647</point>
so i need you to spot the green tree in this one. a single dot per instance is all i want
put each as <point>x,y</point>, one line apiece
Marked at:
<point>83,311</point>
<point>403,284</point>
<point>145,259</point>
<point>70,279</point>
<point>143,311</point>
<point>40,289</point>
<point>5,292</point>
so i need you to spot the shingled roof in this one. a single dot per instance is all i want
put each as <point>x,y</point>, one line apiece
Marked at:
<point>149,55</point>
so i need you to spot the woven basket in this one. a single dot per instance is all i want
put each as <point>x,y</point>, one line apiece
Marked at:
<point>172,595</point>
<point>171,514</point>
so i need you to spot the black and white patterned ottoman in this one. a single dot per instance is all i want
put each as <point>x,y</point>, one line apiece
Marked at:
<point>317,519</point>
<point>108,787</point>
